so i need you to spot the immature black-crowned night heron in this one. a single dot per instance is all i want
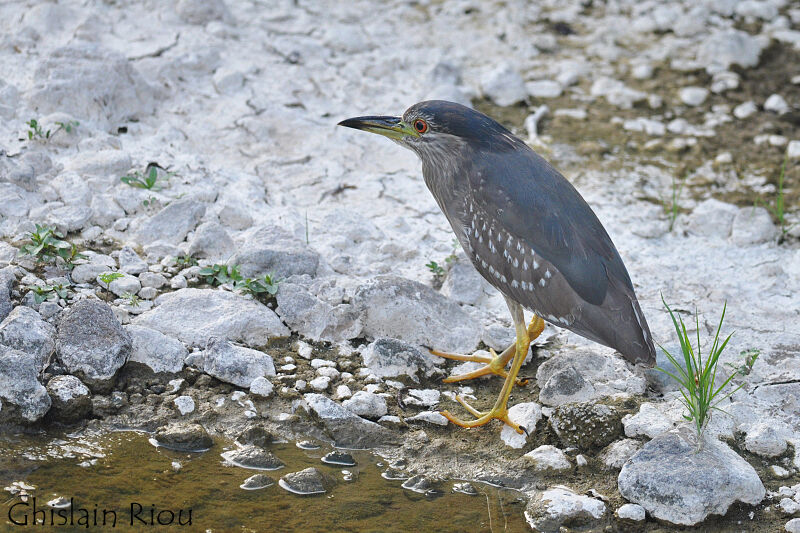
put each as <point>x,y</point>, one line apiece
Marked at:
<point>526,230</point>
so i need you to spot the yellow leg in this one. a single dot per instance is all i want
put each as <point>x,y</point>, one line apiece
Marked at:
<point>500,409</point>
<point>496,364</point>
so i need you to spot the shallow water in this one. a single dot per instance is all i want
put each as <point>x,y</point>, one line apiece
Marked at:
<point>119,472</point>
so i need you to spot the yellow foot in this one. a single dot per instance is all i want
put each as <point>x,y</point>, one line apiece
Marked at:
<point>495,364</point>
<point>482,418</point>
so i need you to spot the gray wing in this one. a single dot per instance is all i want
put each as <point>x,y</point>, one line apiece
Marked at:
<point>536,239</point>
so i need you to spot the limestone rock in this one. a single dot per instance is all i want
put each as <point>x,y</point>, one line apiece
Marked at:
<point>560,506</point>
<point>415,313</point>
<point>23,329</point>
<point>347,429</point>
<point>676,483</point>
<point>236,364</point>
<point>272,250</point>
<point>156,350</point>
<point>23,400</point>
<point>393,358</point>
<point>195,315</point>
<point>71,399</point>
<point>91,344</point>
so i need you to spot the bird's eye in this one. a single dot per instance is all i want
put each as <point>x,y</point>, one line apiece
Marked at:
<point>420,125</point>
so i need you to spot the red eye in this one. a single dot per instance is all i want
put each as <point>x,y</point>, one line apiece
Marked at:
<point>420,125</point>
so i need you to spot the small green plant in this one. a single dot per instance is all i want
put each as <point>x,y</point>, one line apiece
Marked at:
<point>106,278</point>
<point>258,286</point>
<point>450,259</point>
<point>131,299</point>
<point>49,292</point>
<point>67,126</point>
<point>47,243</point>
<point>220,274</point>
<point>778,208</point>
<point>185,261</point>
<point>36,131</point>
<point>698,379</point>
<point>748,357</point>
<point>142,180</point>
<point>672,208</point>
<point>435,268</point>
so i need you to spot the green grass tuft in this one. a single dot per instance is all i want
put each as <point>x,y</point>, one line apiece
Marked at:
<point>700,395</point>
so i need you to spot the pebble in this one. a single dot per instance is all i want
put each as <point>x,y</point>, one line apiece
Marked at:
<point>256,482</point>
<point>693,96</point>
<point>320,383</point>
<point>547,457</point>
<point>184,404</point>
<point>631,511</point>
<point>305,482</point>
<point>776,104</point>
<point>431,417</point>
<point>745,109</point>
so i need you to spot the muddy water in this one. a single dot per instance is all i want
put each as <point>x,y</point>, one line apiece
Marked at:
<point>122,472</point>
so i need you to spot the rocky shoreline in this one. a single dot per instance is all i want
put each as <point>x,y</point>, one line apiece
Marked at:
<point>222,260</point>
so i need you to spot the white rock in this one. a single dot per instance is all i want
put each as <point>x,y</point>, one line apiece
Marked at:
<point>261,386</point>
<point>156,350</point>
<point>526,415</point>
<point>693,96</point>
<point>195,315</point>
<point>396,307</point>
<point>776,104</point>
<point>172,223</point>
<point>649,126</point>
<point>582,375</point>
<point>211,241</point>
<point>463,284</point>
<point>184,404</point>
<point>366,404</point>
<point>712,218</point>
<point>642,71</point>
<point>789,507</point>
<point>544,89</point>
<point>793,150</point>
<point>649,421</point>
<point>328,371</point>
<point>616,92</point>
<point>503,85</point>
<point>745,109</point>
<point>767,439</point>
<point>676,483</point>
<point>152,280</point>
<point>547,457</point>
<point>431,417</point>
<point>617,453</point>
<point>130,262</point>
<point>793,525</point>
<point>125,284</point>
<point>320,383</point>
<point>559,505</point>
<point>779,472</point>
<point>343,392</point>
<point>423,397</point>
<point>728,47</point>
<point>235,364</point>
<point>724,81</point>
<point>392,358</point>
<point>753,225</point>
<point>631,511</point>
<point>92,83</point>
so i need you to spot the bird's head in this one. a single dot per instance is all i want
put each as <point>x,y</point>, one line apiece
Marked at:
<point>435,127</point>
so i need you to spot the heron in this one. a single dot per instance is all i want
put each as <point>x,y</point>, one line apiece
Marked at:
<point>527,231</point>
